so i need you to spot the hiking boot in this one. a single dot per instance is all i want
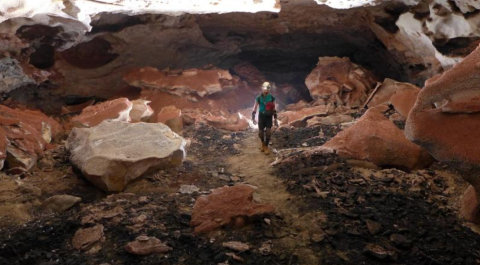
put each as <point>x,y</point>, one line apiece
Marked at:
<point>266,150</point>
<point>262,149</point>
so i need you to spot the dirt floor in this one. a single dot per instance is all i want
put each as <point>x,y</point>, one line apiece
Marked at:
<point>343,214</point>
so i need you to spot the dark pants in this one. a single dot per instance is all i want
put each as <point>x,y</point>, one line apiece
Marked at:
<point>265,127</point>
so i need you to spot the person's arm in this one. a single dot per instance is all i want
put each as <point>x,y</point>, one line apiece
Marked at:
<point>254,112</point>
<point>275,113</point>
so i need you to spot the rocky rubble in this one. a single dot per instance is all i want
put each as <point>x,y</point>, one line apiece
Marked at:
<point>380,216</point>
<point>115,153</point>
<point>339,81</point>
<point>24,136</point>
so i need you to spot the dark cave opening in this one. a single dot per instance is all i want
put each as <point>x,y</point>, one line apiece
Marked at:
<point>90,55</point>
<point>43,57</point>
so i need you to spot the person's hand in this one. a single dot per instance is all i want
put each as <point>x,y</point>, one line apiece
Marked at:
<point>276,123</point>
<point>254,122</point>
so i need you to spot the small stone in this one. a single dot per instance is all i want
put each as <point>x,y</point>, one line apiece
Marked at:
<point>373,227</point>
<point>237,246</point>
<point>139,219</point>
<point>400,241</point>
<point>266,248</point>
<point>376,251</point>
<point>317,238</point>
<point>188,189</point>
<point>354,232</point>
<point>84,238</point>
<point>331,232</point>
<point>143,238</point>
<point>235,257</point>
<point>60,203</point>
<point>144,245</point>
<point>235,179</point>
<point>143,199</point>
<point>224,177</point>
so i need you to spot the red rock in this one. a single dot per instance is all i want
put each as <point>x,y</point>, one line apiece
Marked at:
<point>24,135</point>
<point>117,110</point>
<point>469,207</point>
<point>297,106</point>
<point>218,119</point>
<point>404,100</point>
<point>449,130</point>
<point>172,117</point>
<point>298,118</point>
<point>335,119</point>
<point>192,81</point>
<point>376,139</point>
<point>230,122</point>
<point>401,95</point>
<point>144,245</point>
<point>84,238</point>
<point>338,80</point>
<point>77,108</point>
<point>223,206</point>
<point>141,111</point>
<point>228,101</point>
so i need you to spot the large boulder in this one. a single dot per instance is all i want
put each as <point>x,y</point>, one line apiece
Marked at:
<point>117,110</point>
<point>113,153</point>
<point>24,136</point>
<point>401,95</point>
<point>338,80</point>
<point>226,206</point>
<point>376,139</point>
<point>446,118</point>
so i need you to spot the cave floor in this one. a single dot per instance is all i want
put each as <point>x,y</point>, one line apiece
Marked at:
<point>348,215</point>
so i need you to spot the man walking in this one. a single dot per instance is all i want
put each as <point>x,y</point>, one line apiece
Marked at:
<point>267,111</point>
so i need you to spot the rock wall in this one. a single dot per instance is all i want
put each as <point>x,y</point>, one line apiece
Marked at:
<point>411,40</point>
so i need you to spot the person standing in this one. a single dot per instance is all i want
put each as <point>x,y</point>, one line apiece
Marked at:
<point>267,112</point>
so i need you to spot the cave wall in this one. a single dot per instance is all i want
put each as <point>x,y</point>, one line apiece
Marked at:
<point>84,48</point>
